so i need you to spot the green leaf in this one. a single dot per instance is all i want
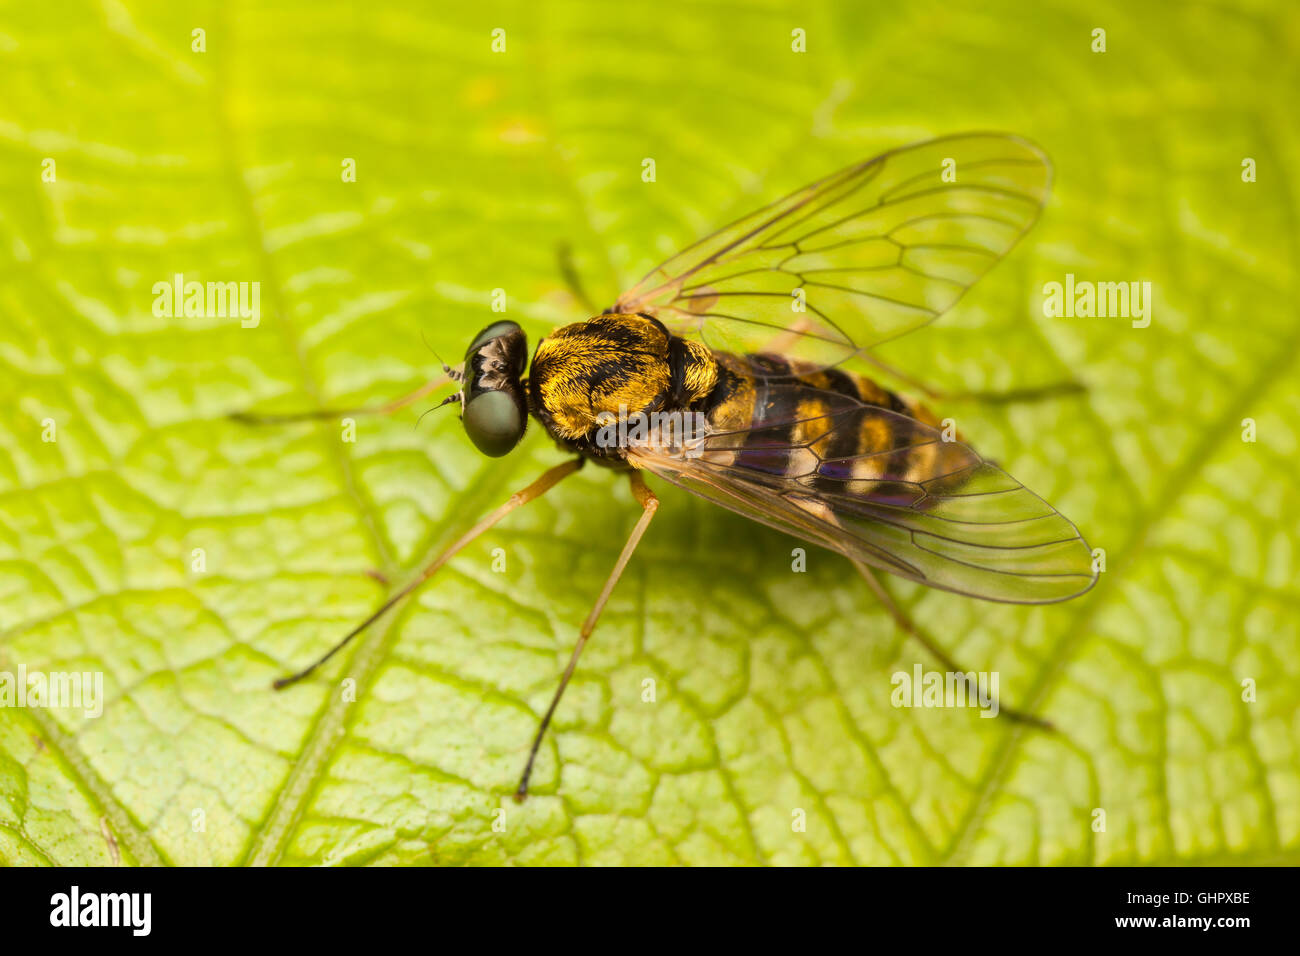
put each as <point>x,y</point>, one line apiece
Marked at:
<point>772,688</point>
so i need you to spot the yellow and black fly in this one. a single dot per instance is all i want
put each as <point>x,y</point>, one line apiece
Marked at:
<point>736,359</point>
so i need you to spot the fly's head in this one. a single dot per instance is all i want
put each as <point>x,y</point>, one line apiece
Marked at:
<point>494,408</point>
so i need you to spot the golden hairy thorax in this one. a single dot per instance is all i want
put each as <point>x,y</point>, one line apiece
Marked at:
<point>616,363</point>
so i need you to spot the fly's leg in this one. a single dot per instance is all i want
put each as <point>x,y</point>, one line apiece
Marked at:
<point>387,408</point>
<point>545,483</point>
<point>569,273</point>
<point>903,621</point>
<point>649,505</point>
<point>1014,396</point>
<point>787,339</point>
<point>1035,394</point>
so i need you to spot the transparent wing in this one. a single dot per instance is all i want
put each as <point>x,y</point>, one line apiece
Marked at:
<point>878,249</point>
<point>886,489</point>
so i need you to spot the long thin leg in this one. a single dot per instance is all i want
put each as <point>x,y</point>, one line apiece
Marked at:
<point>1032,394</point>
<point>909,628</point>
<point>786,339</point>
<point>387,408</point>
<point>569,272</point>
<point>649,505</point>
<point>545,483</point>
<point>1013,396</point>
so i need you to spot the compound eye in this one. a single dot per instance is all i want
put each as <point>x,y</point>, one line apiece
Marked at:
<point>493,331</point>
<point>494,423</point>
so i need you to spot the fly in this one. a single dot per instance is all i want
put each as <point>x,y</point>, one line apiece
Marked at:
<point>735,370</point>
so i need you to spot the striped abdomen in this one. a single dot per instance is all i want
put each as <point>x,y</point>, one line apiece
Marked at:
<point>796,424</point>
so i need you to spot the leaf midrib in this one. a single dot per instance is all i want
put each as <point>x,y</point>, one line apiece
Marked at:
<point>268,842</point>
<point>267,845</point>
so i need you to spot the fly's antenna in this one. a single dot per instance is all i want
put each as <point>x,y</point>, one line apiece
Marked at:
<point>455,375</point>
<point>456,397</point>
